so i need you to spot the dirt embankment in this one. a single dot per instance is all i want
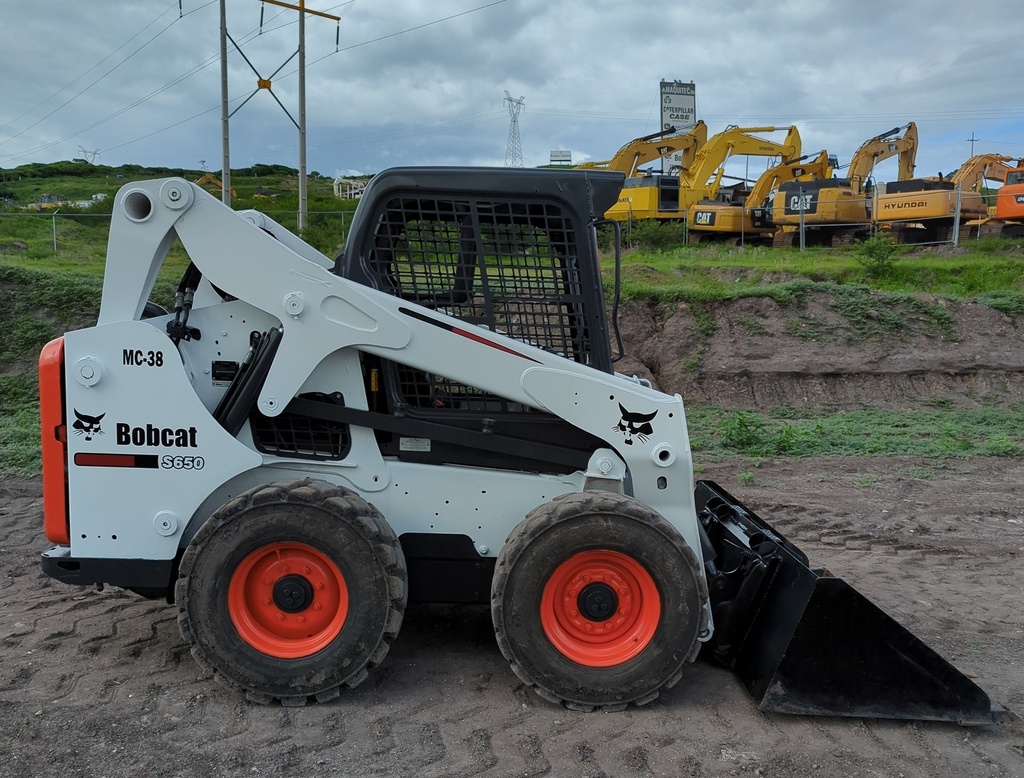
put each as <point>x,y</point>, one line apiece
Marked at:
<point>827,351</point>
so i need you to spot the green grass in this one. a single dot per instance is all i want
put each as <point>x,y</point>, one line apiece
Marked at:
<point>43,294</point>
<point>710,274</point>
<point>19,425</point>
<point>802,433</point>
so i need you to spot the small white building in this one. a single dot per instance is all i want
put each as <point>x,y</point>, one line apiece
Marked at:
<point>350,188</point>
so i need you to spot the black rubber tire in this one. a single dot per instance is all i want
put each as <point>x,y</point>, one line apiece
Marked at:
<point>596,521</point>
<point>342,527</point>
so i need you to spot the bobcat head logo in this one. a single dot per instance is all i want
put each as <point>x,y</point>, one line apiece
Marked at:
<point>635,425</point>
<point>87,425</point>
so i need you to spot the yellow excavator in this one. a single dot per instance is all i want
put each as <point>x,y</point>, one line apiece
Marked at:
<point>670,197</point>
<point>209,180</point>
<point>834,211</point>
<point>747,217</point>
<point>649,148</point>
<point>923,210</point>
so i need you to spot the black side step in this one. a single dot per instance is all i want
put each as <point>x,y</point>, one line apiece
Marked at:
<point>803,641</point>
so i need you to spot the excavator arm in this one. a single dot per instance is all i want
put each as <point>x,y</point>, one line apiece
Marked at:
<point>984,167</point>
<point>882,147</point>
<point>709,166</point>
<point>803,169</point>
<point>648,148</point>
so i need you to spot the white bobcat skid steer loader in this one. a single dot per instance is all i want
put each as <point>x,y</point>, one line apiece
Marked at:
<point>301,446</point>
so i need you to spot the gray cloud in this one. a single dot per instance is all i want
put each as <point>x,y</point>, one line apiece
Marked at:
<point>423,83</point>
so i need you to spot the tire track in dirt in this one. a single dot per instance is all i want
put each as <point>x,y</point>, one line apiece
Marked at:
<point>99,683</point>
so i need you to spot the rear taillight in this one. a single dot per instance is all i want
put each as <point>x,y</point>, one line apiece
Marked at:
<point>54,442</point>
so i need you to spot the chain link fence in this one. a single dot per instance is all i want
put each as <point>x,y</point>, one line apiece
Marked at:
<point>800,217</point>
<point>57,232</point>
<point>824,215</point>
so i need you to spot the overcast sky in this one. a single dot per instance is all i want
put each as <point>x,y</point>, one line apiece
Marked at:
<point>423,83</point>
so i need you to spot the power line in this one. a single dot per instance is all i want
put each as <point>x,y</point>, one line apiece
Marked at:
<point>403,32</point>
<point>90,86</point>
<point>90,70</point>
<point>174,82</point>
<point>213,59</point>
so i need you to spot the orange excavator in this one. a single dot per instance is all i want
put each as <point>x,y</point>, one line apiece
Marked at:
<point>1010,203</point>
<point>1006,218</point>
<point>926,210</point>
<point>833,211</point>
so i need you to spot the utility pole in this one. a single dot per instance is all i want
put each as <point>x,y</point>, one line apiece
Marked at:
<point>303,190</point>
<point>225,116</point>
<point>972,141</point>
<point>265,83</point>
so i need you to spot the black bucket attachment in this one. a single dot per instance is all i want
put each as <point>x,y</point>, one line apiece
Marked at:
<point>805,642</point>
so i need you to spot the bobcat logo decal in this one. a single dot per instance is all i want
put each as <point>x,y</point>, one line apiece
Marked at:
<point>87,425</point>
<point>636,425</point>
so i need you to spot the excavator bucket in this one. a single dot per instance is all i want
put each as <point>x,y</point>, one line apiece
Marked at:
<point>803,641</point>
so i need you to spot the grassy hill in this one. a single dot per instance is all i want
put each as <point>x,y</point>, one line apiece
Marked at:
<point>44,292</point>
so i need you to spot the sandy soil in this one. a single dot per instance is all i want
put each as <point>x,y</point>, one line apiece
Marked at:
<point>101,684</point>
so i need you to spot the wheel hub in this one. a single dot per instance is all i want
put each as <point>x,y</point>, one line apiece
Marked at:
<point>598,602</point>
<point>600,608</point>
<point>293,593</point>
<point>283,613</point>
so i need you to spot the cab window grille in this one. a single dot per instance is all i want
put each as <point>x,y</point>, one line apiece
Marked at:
<point>507,266</point>
<point>501,264</point>
<point>430,391</point>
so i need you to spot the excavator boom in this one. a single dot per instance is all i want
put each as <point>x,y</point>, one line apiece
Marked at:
<point>738,141</point>
<point>882,147</point>
<point>649,148</point>
<point>751,216</point>
<point>670,197</point>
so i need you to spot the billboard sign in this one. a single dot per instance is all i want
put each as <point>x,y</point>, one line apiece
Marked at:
<point>679,110</point>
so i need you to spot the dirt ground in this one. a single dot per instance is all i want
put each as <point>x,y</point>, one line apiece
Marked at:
<point>100,683</point>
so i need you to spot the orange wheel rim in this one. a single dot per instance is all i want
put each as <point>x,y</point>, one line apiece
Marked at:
<point>287,600</point>
<point>600,608</point>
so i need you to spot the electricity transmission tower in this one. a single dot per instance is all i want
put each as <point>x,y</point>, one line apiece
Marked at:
<point>514,149</point>
<point>89,156</point>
